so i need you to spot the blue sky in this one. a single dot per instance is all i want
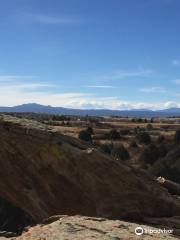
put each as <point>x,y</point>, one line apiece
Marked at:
<point>117,54</point>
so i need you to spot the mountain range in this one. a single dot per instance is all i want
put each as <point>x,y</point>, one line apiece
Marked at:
<point>37,108</point>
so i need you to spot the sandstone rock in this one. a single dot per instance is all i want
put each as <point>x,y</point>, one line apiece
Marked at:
<point>87,228</point>
<point>46,173</point>
<point>172,187</point>
<point>171,223</point>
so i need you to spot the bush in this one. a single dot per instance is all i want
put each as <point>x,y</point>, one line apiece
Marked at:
<point>149,127</point>
<point>124,132</point>
<point>133,144</point>
<point>120,152</point>
<point>177,137</point>
<point>138,129</point>
<point>139,120</point>
<point>145,120</point>
<point>90,130</point>
<point>114,135</point>
<point>163,150</point>
<point>85,136</point>
<point>144,137</point>
<point>169,166</point>
<point>106,148</point>
<point>152,120</point>
<point>150,154</point>
<point>160,139</point>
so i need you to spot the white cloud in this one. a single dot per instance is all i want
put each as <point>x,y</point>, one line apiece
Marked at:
<point>100,86</point>
<point>153,90</point>
<point>117,104</point>
<point>16,93</point>
<point>26,86</point>
<point>122,74</point>
<point>10,96</point>
<point>5,78</point>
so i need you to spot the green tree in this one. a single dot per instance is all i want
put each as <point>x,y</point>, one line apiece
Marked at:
<point>133,144</point>
<point>106,148</point>
<point>149,127</point>
<point>90,130</point>
<point>114,134</point>
<point>85,136</point>
<point>120,152</point>
<point>144,137</point>
<point>150,154</point>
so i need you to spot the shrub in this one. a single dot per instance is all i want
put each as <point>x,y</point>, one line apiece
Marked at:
<point>106,148</point>
<point>149,126</point>
<point>90,130</point>
<point>177,137</point>
<point>163,150</point>
<point>139,120</point>
<point>152,120</point>
<point>114,134</point>
<point>160,139</point>
<point>150,154</point>
<point>133,144</point>
<point>85,136</point>
<point>169,166</point>
<point>138,130</point>
<point>124,131</point>
<point>120,152</point>
<point>144,137</point>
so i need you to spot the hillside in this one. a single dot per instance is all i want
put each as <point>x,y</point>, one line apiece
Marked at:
<point>45,173</point>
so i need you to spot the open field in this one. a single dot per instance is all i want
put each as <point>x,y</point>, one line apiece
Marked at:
<point>160,133</point>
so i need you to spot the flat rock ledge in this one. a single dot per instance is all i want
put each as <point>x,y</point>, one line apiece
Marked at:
<point>88,228</point>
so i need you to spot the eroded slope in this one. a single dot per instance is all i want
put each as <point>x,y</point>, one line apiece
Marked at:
<point>46,173</point>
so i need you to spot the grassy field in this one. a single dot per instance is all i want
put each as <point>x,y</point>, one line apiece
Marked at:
<point>128,130</point>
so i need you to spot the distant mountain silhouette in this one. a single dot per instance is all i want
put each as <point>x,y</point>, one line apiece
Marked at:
<point>37,108</point>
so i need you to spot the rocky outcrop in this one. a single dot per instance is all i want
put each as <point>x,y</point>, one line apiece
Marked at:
<point>46,173</point>
<point>87,228</point>
<point>172,187</point>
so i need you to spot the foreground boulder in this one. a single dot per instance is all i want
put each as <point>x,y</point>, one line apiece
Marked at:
<point>172,187</point>
<point>46,173</point>
<point>87,228</point>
